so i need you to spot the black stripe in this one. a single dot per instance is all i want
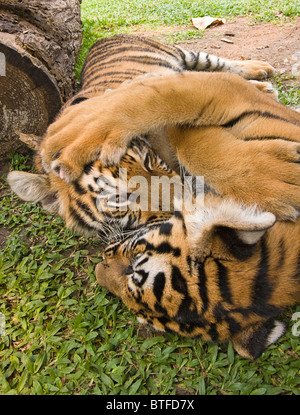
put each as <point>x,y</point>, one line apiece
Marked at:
<point>160,309</point>
<point>245,114</point>
<point>134,43</point>
<point>85,209</point>
<point>178,282</point>
<point>213,332</point>
<point>78,100</point>
<point>202,286</point>
<point>123,47</point>
<point>78,218</point>
<point>141,262</point>
<point>281,253</point>
<point>144,276</point>
<point>262,289</point>
<point>98,49</point>
<point>266,137</point>
<point>172,51</point>
<point>187,315</point>
<point>149,60</point>
<point>163,248</point>
<point>91,189</point>
<point>152,218</point>
<point>298,266</point>
<point>223,282</point>
<point>166,248</point>
<point>79,189</point>
<point>234,326</point>
<point>109,82</point>
<point>93,200</point>
<point>165,228</point>
<point>159,285</point>
<point>88,167</point>
<point>208,63</point>
<point>191,65</point>
<point>237,248</point>
<point>97,73</point>
<point>146,162</point>
<point>179,215</point>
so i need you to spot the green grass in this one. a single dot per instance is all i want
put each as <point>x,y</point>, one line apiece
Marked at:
<point>66,335</point>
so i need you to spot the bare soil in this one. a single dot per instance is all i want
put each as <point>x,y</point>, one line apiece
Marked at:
<point>274,43</point>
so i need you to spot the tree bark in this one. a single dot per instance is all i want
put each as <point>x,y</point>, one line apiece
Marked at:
<point>39,43</point>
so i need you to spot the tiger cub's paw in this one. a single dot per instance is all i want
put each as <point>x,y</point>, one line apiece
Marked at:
<point>111,154</point>
<point>254,69</point>
<point>276,177</point>
<point>72,161</point>
<point>266,87</point>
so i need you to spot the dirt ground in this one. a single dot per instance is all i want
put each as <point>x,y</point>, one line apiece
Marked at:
<point>274,43</point>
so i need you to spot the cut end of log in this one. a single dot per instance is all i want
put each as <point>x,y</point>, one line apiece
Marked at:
<point>39,43</point>
<point>29,98</point>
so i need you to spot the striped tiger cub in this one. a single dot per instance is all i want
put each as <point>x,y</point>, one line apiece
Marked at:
<point>112,61</point>
<point>221,271</point>
<point>115,61</point>
<point>214,124</point>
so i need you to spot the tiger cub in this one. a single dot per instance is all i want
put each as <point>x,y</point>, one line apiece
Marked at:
<point>220,271</point>
<point>213,124</point>
<point>120,58</point>
<point>115,61</point>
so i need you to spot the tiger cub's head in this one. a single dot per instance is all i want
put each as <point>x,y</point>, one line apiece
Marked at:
<point>104,201</point>
<point>221,273</point>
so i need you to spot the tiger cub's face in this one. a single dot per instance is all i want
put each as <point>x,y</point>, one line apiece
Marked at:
<point>212,273</point>
<point>104,201</point>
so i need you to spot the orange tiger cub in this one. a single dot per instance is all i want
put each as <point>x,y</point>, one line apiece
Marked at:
<point>220,271</point>
<point>244,142</point>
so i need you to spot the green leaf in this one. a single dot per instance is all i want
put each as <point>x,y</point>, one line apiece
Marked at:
<point>135,387</point>
<point>259,391</point>
<point>41,358</point>
<point>90,336</point>
<point>22,381</point>
<point>230,353</point>
<point>37,387</point>
<point>201,386</point>
<point>107,380</point>
<point>150,342</point>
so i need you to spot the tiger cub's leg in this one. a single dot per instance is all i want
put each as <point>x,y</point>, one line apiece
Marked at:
<point>265,173</point>
<point>251,342</point>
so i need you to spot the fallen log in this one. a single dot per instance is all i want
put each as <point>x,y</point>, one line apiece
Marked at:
<point>39,43</point>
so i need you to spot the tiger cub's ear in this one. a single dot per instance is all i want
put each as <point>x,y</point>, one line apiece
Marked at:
<point>237,226</point>
<point>33,188</point>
